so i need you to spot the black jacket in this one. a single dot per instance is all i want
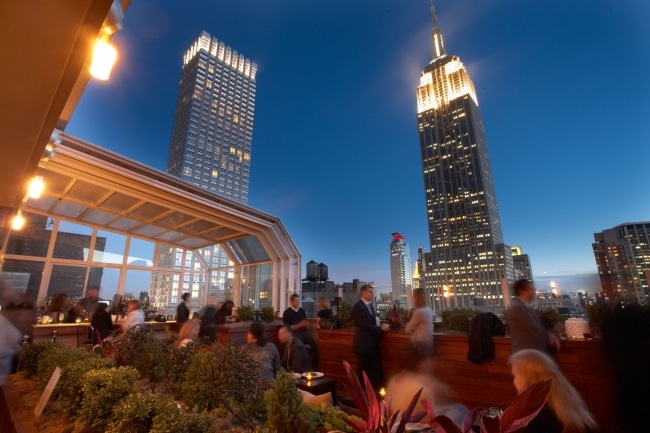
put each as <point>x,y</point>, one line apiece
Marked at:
<point>366,331</point>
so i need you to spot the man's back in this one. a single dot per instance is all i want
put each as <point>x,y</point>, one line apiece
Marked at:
<point>526,330</point>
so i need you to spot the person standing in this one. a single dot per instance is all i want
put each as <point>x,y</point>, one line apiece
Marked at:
<point>182,312</point>
<point>101,321</point>
<point>421,329</point>
<point>526,329</point>
<point>367,335</point>
<point>296,318</point>
<point>88,305</point>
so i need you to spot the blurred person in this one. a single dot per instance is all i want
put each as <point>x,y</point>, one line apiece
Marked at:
<point>526,329</point>
<point>88,304</point>
<point>223,312</point>
<point>187,333</point>
<point>402,386</point>
<point>10,336</point>
<point>134,315</point>
<point>20,312</point>
<point>182,312</point>
<point>208,325</point>
<point>324,311</point>
<point>101,321</point>
<point>296,317</point>
<point>264,352</point>
<point>565,411</point>
<point>58,308</point>
<point>421,329</point>
<point>295,357</point>
<point>367,335</point>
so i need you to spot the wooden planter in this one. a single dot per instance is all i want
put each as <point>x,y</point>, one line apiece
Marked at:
<point>485,385</point>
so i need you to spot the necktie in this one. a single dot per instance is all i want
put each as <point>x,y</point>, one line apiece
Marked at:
<point>370,308</point>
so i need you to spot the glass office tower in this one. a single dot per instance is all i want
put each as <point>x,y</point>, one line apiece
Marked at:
<point>468,264</point>
<point>210,147</point>
<point>213,123</point>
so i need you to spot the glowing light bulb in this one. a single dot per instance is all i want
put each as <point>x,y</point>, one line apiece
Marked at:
<point>104,57</point>
<point>18,221</point>
<point>36,187</point>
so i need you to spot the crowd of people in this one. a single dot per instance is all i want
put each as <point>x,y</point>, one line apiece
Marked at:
<point>532,359</point>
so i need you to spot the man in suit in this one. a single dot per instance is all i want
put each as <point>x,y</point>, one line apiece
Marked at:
<point>296,318</point>
<point>366,338</point>
<point>182,312</point>
<point>295,357</point>
<point>526,329</point>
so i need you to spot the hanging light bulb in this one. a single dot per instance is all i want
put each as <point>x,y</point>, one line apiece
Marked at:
<point>36,187</point>
<point>104,57</point>
<point>18,221</point>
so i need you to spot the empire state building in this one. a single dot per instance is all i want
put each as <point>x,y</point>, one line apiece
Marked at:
<point>468,265</point>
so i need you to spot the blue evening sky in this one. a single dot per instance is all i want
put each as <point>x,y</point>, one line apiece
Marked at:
<point>563,87</point>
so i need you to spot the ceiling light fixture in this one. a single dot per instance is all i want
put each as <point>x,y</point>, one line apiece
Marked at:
<point>36,186</point>
<point>18,221</point>
<point>105,53</point>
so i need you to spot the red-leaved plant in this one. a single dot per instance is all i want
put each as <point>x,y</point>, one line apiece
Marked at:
<point>377,417</point>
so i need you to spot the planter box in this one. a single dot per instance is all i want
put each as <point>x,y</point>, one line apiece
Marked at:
<point>485,385</point>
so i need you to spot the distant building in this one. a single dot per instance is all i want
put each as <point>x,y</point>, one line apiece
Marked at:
<point>622,255</point>
<point>521,263</point>
<point>468,264</point>
<point>400,271</point>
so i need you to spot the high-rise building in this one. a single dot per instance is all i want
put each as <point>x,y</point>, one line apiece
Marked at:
<point>623,258</point>
<point>213,122</point>
<point>400,271</point>
<point>468,264</point>
<point>210,147</point>
<point>521,263</point>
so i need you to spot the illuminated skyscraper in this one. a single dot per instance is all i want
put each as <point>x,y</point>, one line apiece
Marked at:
<point>623,258</point>
<point>210,147</point>
<point>468,263</point>
<point>400,271</point>
<point>213,123</point>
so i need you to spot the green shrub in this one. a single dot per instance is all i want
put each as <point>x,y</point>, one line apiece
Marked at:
<point>177,364</point>
<point>30,355</point>
<point>136,413</point>
<point>139,348</point>
<point>176,421</point>
<point>344,315</point>
<point>331,417</point>
<point>457,319</point>
<point>227,377</point>
<point>57,355</point>
<point>69,390</point>
<point>245,313</point>
<point>267,314</point>
<point>287,412</point>
<point>102,391</point>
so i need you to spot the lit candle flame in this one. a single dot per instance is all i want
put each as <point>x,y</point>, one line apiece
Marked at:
<point>309,375</point>
<point>382,392</point>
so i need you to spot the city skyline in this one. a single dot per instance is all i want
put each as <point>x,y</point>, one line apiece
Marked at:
<point>336,111</point>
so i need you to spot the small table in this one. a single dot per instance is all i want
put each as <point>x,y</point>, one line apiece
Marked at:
<point>318,386</point>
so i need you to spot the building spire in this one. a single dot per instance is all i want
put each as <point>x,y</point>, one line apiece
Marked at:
<point>436,36</point>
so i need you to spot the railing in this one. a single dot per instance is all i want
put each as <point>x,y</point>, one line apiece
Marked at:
<point>485,385</point>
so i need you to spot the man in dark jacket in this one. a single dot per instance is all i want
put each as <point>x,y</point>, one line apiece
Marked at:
<point>295,357</point>
<point>366,338</point>
<point>526,330</point>
<point>182,312</point>
<point>296,318</point>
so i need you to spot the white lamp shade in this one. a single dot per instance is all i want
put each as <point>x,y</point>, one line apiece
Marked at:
<point>576,328</point>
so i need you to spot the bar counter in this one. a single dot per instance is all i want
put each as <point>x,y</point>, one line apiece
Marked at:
<point>75,334</point>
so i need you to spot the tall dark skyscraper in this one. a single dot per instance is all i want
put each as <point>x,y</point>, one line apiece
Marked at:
<point>213,123</point>
<point>468,264</point>
<point>210,147</point>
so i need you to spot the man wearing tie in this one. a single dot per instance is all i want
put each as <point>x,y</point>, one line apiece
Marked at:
<point>366,338</point>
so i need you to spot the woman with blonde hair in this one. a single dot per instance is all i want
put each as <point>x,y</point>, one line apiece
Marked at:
<point>565,411</point>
